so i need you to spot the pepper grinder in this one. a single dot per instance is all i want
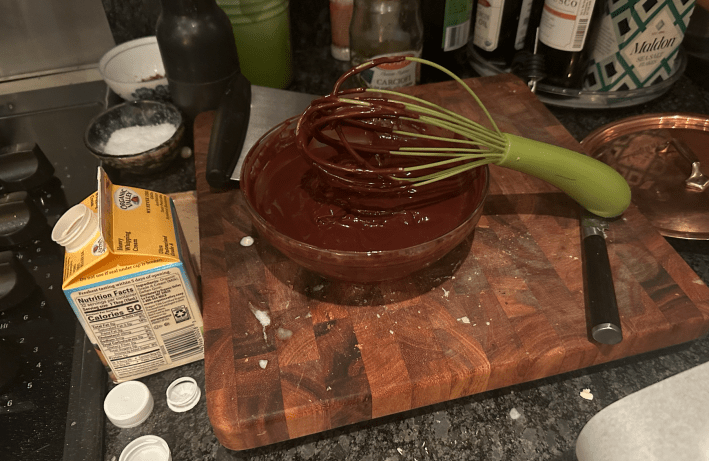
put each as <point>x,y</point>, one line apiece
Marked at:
<point>198,50</point>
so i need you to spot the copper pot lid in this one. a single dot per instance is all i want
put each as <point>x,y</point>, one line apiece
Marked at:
<point>662,157</point>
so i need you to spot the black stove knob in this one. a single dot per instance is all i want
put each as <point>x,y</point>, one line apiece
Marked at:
<point>16,283</point>
<point>23,166</point>
<point>9,365</point>
<point>20,219</point>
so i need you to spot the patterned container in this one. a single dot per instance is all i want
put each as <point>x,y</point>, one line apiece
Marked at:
<point>637,43</point>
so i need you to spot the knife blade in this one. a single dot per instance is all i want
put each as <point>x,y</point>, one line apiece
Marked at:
<point>269,107</point>
<point>599,290</point>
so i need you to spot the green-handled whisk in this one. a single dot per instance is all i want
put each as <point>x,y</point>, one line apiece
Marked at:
<point>384,139</point>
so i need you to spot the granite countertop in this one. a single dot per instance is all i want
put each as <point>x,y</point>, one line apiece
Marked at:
<point>538,420</point>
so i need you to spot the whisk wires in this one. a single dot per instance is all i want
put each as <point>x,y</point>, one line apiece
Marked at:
<point>455,145</point>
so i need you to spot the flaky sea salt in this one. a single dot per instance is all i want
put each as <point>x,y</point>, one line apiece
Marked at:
<point>136,139</point>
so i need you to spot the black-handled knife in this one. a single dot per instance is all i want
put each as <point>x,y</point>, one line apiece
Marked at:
<point>599,290</point>
<point>228,132</point>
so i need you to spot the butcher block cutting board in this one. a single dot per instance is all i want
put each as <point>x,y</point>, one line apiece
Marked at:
<point>289,353</point>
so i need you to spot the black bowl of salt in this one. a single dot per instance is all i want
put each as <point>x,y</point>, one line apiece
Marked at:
<point>140,137</point>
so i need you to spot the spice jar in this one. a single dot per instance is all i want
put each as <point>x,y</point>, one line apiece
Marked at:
<point>386,28</point>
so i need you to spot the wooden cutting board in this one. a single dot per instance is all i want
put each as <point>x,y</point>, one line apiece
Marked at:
<point>505,307</point>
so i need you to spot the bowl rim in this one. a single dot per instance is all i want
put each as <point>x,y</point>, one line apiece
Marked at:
<point>126,46</point>
<point>282,236</point>
<point>179,130</point>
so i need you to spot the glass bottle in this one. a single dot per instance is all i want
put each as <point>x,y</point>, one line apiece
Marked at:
<point>386,28</point>
<point>500,29</point>
<point>340,18</point>
<point>446,34</point>
<point>198,50</point>
<point>563,30</point>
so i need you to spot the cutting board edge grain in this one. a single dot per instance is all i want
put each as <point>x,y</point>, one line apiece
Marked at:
<point>512,312</point>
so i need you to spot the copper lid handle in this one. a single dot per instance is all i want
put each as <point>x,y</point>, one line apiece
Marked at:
<point>697,180</point>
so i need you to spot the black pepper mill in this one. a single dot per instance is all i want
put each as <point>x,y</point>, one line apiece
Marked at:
<point>198,50</point>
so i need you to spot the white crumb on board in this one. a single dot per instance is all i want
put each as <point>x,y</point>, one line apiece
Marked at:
<point>514,414</point>
<point>284,333</point>
<point>586,394</point>
<point>445,292</point>
<point>247,241</point>
<point>464,319</point>
<point>263,363</point>
<point>263,318</point>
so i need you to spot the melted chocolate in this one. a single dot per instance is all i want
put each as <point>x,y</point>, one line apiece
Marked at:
<point>301,202</point>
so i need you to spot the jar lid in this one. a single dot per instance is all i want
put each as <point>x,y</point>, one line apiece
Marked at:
<point>129,404</point>
<point>146,448</point>
<point>664,159</point>
<point>183,394</point>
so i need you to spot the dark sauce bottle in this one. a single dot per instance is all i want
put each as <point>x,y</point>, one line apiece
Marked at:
<point>447,26</point>
<point>500,29</point>
<point>564,29</point>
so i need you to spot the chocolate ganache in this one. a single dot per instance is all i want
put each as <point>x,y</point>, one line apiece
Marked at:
<point>303,202</point>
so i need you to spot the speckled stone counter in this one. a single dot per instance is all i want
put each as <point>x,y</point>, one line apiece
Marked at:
<point>539,420</point>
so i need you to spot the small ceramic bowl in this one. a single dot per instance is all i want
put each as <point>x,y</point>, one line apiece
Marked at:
<point>136,114</point>
<point>269,166</point>
<point>134,70</point>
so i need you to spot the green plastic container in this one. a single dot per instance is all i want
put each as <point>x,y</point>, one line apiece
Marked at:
<point>262,34</point>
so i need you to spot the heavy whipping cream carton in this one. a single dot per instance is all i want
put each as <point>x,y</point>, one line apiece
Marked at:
<point>130,281</point>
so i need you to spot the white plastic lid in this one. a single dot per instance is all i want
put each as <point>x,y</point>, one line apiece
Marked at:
<point>75,228</point>
<point>183,394</point>
<point>129,404</point>
<point>146,448</point>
